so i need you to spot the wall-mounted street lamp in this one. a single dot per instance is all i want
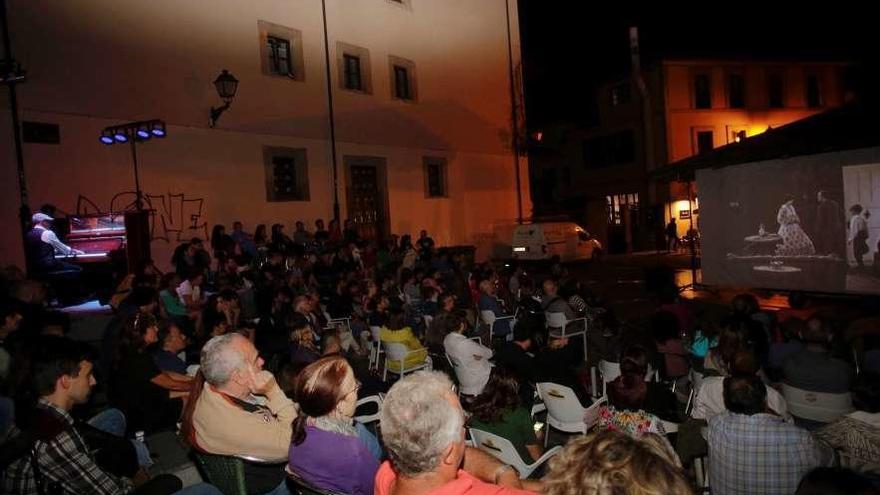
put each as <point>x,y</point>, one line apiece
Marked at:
<point>226,85</point>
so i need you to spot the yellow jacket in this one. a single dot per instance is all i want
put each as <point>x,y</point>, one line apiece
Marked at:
<point>404,336</point>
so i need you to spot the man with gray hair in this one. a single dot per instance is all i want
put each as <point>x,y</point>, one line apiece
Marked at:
<point>240,410</point>
<point>423,430</point>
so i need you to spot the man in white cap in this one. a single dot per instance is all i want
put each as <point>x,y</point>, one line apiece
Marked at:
<point>41,245</point>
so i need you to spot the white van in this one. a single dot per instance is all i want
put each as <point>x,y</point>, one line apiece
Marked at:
<point>543,240</point>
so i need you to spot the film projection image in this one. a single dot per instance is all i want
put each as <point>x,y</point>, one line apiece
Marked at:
<point>861,197</point>
<point>798,224</point>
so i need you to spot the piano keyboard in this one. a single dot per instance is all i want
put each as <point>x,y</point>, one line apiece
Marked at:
<point>80,256</point>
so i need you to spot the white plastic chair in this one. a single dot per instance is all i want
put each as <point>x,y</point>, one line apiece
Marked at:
<point>537,408</point>
<point>564,410</point>
<point>558,320</point>
<point>701,473</point>
<point>455,368</point>
<point>696,379</point>
<point>689,406</point>
<point>398,352</point>
<point>376,348</point>
<point>669,426</point>
<point>337,322</point>
<point>503,450</point>
<point>610,371</point>
<point>370,418</point>
<point>488,317</point>
<point>348,338</point>
<point>816,406</point>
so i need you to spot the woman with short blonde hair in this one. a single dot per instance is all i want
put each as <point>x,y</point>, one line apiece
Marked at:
<point>611,462</point>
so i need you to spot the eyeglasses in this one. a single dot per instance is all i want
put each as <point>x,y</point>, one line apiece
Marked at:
<point>357,386</point>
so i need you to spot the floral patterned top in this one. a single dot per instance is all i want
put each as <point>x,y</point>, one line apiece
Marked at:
<point>633,423</point>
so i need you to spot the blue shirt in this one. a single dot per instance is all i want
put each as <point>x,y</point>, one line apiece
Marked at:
<point>759,454</point>
<point>244,240</point>
<point>370,440</point>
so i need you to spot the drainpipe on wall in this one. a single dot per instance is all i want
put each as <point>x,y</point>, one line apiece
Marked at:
<point>514,117</point>
<point>10,76</point>
<point>330,112</point>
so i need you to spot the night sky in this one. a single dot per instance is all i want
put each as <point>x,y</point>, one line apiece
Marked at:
<point>570,45</point>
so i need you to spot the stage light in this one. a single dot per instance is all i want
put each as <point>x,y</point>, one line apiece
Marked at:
<point>158,129</point>
<point>137,132</point>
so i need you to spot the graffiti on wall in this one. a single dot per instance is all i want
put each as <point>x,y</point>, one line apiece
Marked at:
<point>173,217</point>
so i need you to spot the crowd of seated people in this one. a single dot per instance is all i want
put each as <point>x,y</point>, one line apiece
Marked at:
<point>263,346</point>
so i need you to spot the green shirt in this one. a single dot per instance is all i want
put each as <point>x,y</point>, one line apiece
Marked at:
<point>516,426</point>
<point>172,304</point>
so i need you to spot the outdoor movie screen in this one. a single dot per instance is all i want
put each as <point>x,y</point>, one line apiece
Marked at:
<point>805,223</point>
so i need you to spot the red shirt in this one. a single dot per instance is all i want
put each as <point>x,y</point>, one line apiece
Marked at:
<point>464,483</point>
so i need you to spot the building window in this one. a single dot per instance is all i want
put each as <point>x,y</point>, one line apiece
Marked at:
<point>775,90</point>
<point>617,204</point>
<point>705,142</point>
<point>814,94</point>
<point>40,133</point>
<point>605,151</point>
<point>403,78</point>
<point>354,68</point>
<point>407,4</point>
<point>279,56</point>
<point>287,176</point>
<point>353,73</point>
<point>281,51</point>
<point>736,91</point>
<point>620,95</point>
<point>702,91</point>
<point>435,177</point>
<point>735,133</point>
<point>401,83</point>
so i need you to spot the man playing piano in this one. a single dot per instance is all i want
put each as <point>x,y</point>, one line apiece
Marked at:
<point>41,247</point>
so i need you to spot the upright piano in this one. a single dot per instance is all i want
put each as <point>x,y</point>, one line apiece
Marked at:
<point>96,235</point>
<point>108,239</point>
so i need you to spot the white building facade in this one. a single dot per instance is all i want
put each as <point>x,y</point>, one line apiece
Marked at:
<point>422,105</point>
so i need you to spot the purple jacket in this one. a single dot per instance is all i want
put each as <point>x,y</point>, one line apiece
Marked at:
<point>333,461</point>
